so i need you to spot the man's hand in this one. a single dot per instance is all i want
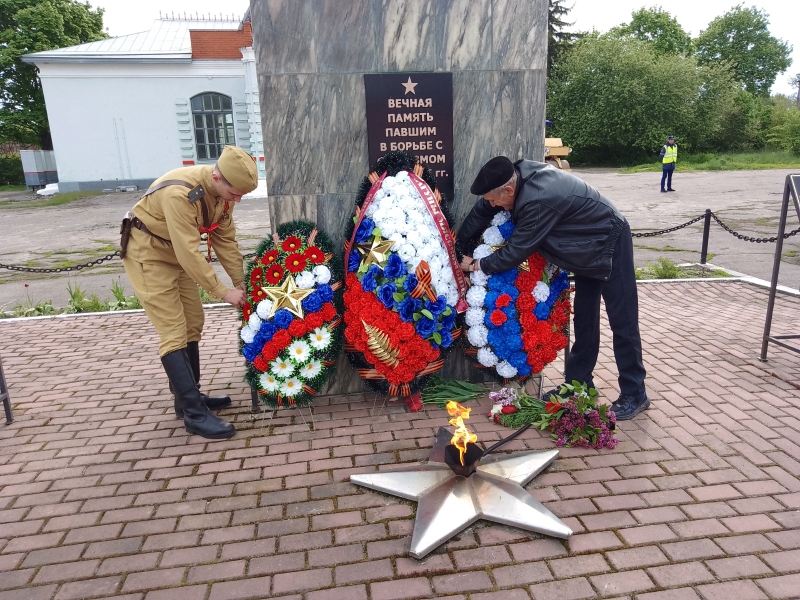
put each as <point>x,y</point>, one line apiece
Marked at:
<point>466,264</point>
<point>241,286</point>
<point>234,297</point>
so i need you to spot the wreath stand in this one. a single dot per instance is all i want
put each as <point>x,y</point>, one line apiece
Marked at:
<point>258,407</point>
<point>789,190</point>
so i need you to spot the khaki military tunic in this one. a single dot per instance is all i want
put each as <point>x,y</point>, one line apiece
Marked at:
<point>165,276</point>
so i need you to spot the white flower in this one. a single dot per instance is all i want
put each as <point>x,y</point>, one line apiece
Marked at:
<point>486,357</point>
<point>320,338</point>
<point>282,367</point>
<point>424,231</point>
<point>373,207</point>
<point>263,309</point>
<point>475,296</point>
<point>414,238</point>
<point>506,369</point>
<point>425,251</point>
<point>269,382</point>
<point>299,351</point>
<point>247,334</point>
<point>474,316</point>
<point>497,409</point>
<point>482,251</point>
<point>291,387</point>
<point>501,218</point>
<point>478,335</point>
<point>254,322</point>
<point>478,278</point>
<point>388,228</point>
<point>452,295</point>
<point>310,370</point>
<point>406,252</point>
<point>415,216</point>
<point>493,237</point>
<point>305,280</point>
<point>541,292</point>
<point>322,274</point>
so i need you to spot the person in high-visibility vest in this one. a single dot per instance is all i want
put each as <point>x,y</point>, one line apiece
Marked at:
<point>669,158</point>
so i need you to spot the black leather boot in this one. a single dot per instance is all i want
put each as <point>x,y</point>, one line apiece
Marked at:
<point>196,416</point>
<point>212,402</point>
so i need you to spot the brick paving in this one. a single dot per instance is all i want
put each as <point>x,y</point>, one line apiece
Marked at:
<point>104,495</point>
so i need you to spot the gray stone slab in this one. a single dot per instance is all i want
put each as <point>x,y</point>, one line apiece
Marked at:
<point>463,35</point>
<point>334,212</point>
<point>345,36</point>
<point>472,123</point>
<point>290,208</point>
<point>534,92</point>
<point>405,35</point>
<point>519,34</point>
<point>284,39</point>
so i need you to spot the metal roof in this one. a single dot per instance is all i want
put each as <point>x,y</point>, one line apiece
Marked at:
<point>167,40</point>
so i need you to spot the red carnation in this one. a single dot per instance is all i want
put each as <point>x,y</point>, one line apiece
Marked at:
<point>270,351</point>
<point>497,317</point>
<point>405,331</point>
<point>526,281</point>
<point>260,364</point>
<point>274,274</point>
<point>329,312</point>
<point>281,339</point>
<point>297,328</point>
<point>508,410</point>
<point>503,300</point>
<point>525,303</point>
<point>313,320</point>
<point>537,263</point>
<point>314,255</point>
<point>269,257</point>
<point>296,262</point>
<point>292,244</point>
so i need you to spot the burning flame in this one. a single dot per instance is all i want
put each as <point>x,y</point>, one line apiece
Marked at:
<point>462,436</point>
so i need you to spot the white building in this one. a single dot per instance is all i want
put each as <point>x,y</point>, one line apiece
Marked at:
<point>125,110</point>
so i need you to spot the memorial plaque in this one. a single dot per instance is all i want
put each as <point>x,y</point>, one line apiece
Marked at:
<point>413,112</point>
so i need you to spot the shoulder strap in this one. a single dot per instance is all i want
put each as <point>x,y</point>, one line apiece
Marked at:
<point>195,193</point>
<point>167,183</point>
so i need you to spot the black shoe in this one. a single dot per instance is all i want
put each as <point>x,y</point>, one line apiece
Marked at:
<point>663,191</point>
<point>553,392</point>
<point>627,406</point>
<point>196,416</point>
<point>212,402</point>
<point>670,190</point>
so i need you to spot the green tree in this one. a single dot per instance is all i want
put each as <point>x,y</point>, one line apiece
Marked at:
<point>740,38</point>
<point>795,82</point>
<point>34,26</point>
<point>786,135</point>
<point>657,26</point>
<point>558,39</point>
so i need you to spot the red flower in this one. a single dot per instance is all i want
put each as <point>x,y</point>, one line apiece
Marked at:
<point>256,274</point>
<point>497,317</point>
<point>281,339</point>
<point>274,274</point>
<point>552,407</point>
<point>329,312</point>
<point>405,331</point>
<point>508,410</point>
<point>260,364</point>
<point>525,303</point>
<point>314,255</point>
<point>537,263</point>
<point>269,257</point>
<point>503,300</point>
<point>296,262</point>
<point>313,320</point>
<point>292,244</point>
<point>270,351</point>
<point>297,328</point>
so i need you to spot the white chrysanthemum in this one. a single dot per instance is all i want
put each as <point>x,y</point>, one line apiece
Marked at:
<point>425,252</point>
<point>482,251</point>
<point>388,228</point>
<point>299,351</point>
<point>322,274</point>
<point>506,369</point>
<point>474,316</point>
<point>320,338</point>
<point>291,387</point>
<point>501,218</point>
<point>403,176</point>
<point>478,335</point>
<point>447,275</point>
<point>282,367</point>
<point>263,308</point>
<point>305,280</point>
<point>406,252</point>
<point>486,357</point>
<point>424,231</point>
<point>371,210</point>
<point>247,334</point>
<point>493,237</point>
<point>310,370</point>
<point>541,292</point>
<point>452,295</point>
<point>269,382</point>
<point>475,296</point>
<point>413,237</point>
<point>254,322</point>
<point>478,278</point>
<point>415,216</point>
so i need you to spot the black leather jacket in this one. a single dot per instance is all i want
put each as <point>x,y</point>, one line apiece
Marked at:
<point>555,214</point>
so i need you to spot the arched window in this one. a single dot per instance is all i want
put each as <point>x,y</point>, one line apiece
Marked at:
<point>213,124</point>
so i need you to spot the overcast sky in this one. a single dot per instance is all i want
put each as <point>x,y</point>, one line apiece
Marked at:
<point>130,16</point>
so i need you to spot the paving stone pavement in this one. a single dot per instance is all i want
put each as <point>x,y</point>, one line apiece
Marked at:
<point>104,495</point>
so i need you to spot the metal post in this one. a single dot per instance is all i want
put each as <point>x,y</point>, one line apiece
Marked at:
<point>776,267</point>
<point>706,231</point>
<point>4,397</point>
<point>255,406</point>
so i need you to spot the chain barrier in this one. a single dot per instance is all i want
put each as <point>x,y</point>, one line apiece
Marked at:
<point>670,230</point>
<point>747,238</point>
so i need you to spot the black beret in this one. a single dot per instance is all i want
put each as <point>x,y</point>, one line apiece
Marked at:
<point>498,171</point>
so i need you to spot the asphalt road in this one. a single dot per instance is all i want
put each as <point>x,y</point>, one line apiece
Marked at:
<point>748,201</point>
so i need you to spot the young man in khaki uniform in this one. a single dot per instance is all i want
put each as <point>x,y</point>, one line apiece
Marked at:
<point>161,255</point>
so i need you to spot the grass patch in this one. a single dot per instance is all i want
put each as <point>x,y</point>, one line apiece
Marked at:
<point>56,200</point>
<point>666,248</point>
<point>743,161</point>
<point>666,269</point>
<point>13,188</point>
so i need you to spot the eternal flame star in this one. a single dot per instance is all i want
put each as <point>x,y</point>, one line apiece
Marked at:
<point>287,295</point>
<point>374,252</point>
<point>409,85</point>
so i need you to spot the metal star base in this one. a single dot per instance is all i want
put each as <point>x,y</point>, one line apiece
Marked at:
<point>449,503</point>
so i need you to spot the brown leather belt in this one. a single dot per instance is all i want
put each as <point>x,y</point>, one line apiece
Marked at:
<point>136,222</point>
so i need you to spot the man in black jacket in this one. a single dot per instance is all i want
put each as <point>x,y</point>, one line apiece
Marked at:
<point>575,227</point>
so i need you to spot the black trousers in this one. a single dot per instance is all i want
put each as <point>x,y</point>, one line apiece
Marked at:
<point>666,175</point>
<point>622,308</point>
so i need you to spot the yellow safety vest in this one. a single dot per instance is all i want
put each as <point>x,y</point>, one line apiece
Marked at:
<point>671,154</point>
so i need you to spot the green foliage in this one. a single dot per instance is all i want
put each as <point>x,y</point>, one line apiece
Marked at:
<point>740,39</point>
<point>55,200</point>
<point>708,161</point>
<point>28,26</point>
<point>657,26</point>
<point>440,391</point>
<point>559,41</point>
<point>665,269</point>
<point>121,301</point>
<point>786,134</point>
<point>80,302</point>
<point>11,170</point>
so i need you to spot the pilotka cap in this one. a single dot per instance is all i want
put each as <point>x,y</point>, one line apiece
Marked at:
<point>238,168</point>
<point>498,171</point>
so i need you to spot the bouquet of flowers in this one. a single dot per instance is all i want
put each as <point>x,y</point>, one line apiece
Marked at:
<point>518,320</point>
<point>290,333</point>
<point>573,418</point>
<point>402,290</point>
